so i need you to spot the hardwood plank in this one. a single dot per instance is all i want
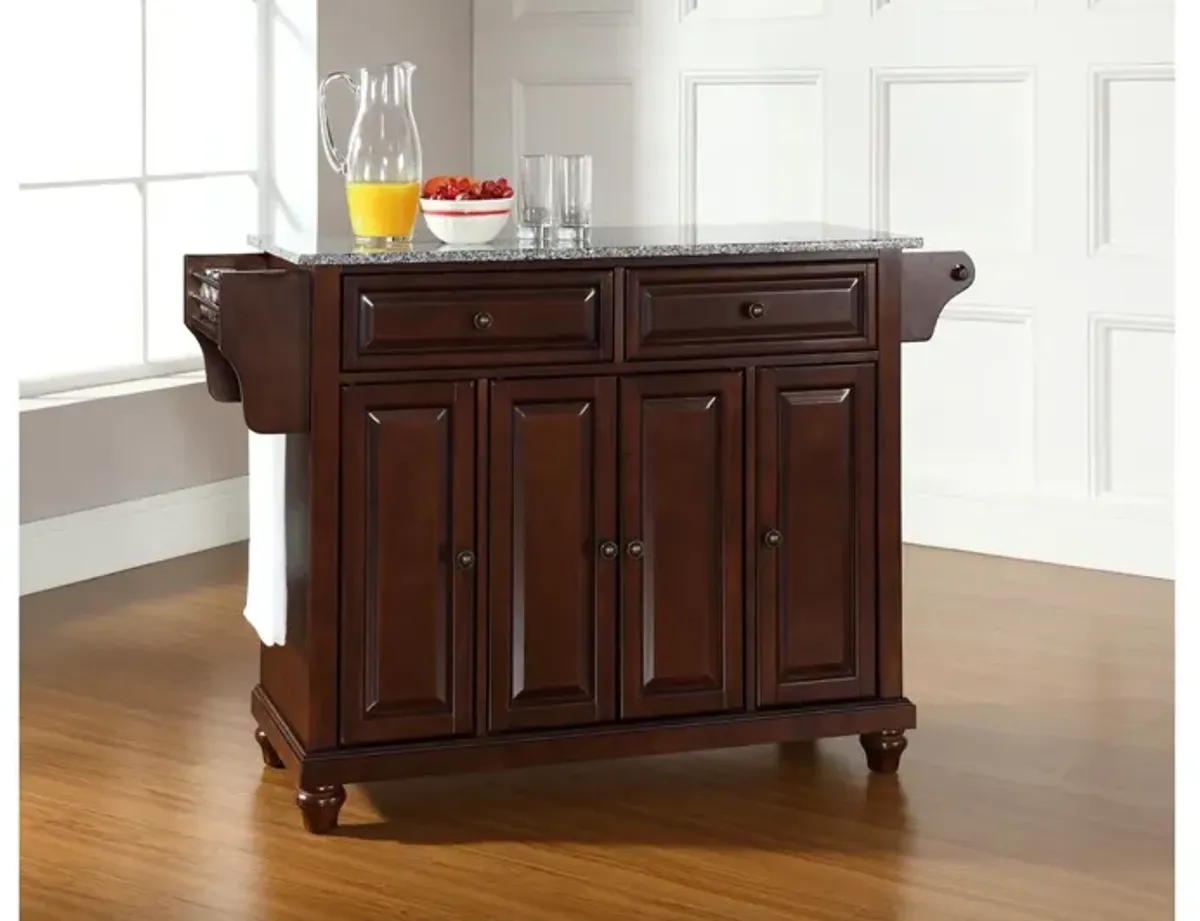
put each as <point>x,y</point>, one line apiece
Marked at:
<point>1038,784</point>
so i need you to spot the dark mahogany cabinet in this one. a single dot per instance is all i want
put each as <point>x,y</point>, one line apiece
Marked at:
<point>545,507</point>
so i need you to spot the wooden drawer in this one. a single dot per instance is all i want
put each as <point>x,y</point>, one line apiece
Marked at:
<point>695,312</point>
<point>477,318</point>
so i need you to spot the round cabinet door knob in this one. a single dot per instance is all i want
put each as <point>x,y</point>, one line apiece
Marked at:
<point>756,311</point>
<point>609,550</point>
<point>960,273</point>
<point>483,321</point>
<point>773,538</point>
<point>635,549</point>
<point>465,559</point>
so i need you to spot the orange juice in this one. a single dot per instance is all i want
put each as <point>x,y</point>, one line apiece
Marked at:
<point>383,209</point>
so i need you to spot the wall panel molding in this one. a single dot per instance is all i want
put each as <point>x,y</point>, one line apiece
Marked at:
<point>690,84</point>
<point>916,7</point>
<point>1100,127</point>
<point>1101,437</point>
<point>755,10</point>
<point>1018,474</point>
<point>585,13</point>
<point>884,80</point>
<point>1139,6</point>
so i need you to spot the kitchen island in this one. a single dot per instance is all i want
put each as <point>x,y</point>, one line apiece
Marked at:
<point>552,502</point>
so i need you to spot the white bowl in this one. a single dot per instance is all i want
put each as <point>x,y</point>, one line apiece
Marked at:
<point>466,222</point>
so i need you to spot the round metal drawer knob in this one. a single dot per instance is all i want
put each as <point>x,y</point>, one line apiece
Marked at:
<point>773,538</point>
<point>756,311</point>
<point>609,550</point>
<point>465,559</point>
<point>483,321</point>
<point>635,549</point>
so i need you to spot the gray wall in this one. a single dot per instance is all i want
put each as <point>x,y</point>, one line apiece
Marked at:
<point>86,455</point>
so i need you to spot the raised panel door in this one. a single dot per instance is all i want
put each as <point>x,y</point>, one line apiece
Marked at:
<point>409,555</point>
<point>816,542</point>
<point>552,555</point>
<point>681,518</point>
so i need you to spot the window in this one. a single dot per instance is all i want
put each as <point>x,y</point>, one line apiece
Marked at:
<point>140,141</point>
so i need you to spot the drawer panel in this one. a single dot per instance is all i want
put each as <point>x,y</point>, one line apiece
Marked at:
<point>477,318</point>
<point>676,313</point>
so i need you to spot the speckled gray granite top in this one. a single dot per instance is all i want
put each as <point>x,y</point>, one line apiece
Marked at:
<point>604,243</point>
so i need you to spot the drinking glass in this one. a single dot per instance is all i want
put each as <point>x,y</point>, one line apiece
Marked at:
<point>574,195</point>
<point>535,195</point>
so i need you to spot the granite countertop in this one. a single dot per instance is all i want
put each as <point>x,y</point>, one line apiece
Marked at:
<point>604,243</point>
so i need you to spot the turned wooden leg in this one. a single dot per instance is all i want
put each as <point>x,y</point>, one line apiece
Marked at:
<point>884,749</point>
<point>320,807</point>
<point>270,757</point>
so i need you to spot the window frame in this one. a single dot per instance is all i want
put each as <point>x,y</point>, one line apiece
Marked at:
<point>260,174</point>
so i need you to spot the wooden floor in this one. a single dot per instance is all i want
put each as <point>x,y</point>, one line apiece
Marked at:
<point>1037,786</point>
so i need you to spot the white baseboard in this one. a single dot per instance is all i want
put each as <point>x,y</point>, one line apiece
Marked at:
<point>99,541</point>
<point>1137,539</point>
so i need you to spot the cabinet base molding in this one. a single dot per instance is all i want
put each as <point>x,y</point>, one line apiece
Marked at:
<point>884,719</point>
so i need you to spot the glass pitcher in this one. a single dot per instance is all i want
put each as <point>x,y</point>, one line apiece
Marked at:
<point>382,165</point>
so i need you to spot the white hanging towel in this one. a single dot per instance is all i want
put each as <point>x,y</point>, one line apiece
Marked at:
<point>266,581</point>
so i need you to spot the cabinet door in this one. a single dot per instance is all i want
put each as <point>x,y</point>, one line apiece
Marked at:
<point>408,545</point>
<point>816,546</point>
<point>681,517</point>
<point>552,568</point>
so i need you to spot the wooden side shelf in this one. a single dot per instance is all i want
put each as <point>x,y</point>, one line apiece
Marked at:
<point>254,326</point>
<point>928,282</point>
